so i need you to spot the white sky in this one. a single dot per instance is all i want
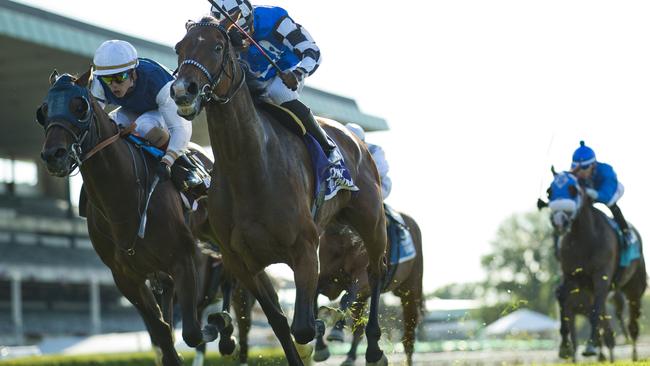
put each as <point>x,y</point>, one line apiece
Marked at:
<point>481,96</point>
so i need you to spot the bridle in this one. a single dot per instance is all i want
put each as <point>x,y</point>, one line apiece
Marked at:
<point>85,143</point>
<point>207,92</point>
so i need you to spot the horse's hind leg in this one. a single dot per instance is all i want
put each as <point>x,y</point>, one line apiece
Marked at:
<point>634,290</point>
<point>411,313</point>
<point>160,332</point>
<point>243,302</point>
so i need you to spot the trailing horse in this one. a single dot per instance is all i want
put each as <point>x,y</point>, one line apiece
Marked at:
<point>343,250</point>
<point>117,176</point>
<point>591,258</point>
<point>263,190</point>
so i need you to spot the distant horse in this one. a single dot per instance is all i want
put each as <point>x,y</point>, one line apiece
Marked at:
<point>117,176</point>
<point>589,257</point>
<point>342,248</point>
<point>260,202</point>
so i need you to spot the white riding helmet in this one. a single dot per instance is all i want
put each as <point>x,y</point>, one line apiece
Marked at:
<point>234,9</point>
<point>357,130</point>
<point>114,56</point>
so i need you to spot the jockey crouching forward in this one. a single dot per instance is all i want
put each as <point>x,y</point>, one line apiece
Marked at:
<point>601,184</point>
<point>140,87</point>
<point>289,45</point>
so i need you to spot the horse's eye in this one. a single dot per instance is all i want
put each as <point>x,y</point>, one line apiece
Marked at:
<point>218,48</point>
<point>79,106</point>
<point>573,191</point>
<point>41,113</point>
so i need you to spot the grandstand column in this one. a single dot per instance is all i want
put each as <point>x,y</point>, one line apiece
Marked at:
<point>95,310</point>
<point>17,307</point>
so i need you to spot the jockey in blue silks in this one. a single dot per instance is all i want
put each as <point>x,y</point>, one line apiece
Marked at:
<point>378,156</point>
<point>600,183</point>
<point>289,45</point>
<point>140,87</point>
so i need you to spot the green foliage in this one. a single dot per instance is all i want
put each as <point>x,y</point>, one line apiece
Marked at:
<point>267,357</point>
<point>458,291</point>
<point>522,270</point>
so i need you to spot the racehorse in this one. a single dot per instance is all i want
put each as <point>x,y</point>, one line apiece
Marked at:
<point>589,257</point>
<point>260,201</point>
<point>117,176</point>
<point>344,252</point>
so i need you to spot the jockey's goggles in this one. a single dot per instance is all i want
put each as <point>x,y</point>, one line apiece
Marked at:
<point>119,78</point>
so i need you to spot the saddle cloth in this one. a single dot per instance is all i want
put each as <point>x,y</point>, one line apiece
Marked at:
<point>331,174</point>
<point>633,250</point>
<point>402,248</point>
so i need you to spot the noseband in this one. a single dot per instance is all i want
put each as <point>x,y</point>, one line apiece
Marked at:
<point>207,92</point>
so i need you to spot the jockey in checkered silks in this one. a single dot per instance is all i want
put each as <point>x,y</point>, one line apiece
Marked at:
<point>140,88</point>
<point>289,45</point>
<point>600,183</point>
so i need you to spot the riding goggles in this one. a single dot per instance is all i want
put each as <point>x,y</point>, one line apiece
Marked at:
<point>118,78</point>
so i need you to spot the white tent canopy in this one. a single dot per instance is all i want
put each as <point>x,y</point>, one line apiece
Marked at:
<point>522,321</point>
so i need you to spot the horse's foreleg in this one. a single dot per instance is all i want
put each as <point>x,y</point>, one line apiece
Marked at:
<point>567,347</point>
<point>227,343</point>
<point>185,282</point>
<point>243,305</point>
<point>597,316</point>
<point>160,332</point>
<point>305,274</point>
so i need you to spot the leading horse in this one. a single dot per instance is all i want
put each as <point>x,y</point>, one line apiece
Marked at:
<point>260,201</point>
<point>117,176</point>
<point>589,257</point>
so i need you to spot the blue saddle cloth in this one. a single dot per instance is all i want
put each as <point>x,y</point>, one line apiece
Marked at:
<point>402,248</point>
<point>633,250</point>
<point>331,175</point>
<point>146,146</point>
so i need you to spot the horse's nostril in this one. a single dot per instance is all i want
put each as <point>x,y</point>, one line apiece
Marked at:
<point>193,88</point>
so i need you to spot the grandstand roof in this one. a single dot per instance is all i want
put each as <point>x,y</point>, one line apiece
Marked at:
<point>34,42</point>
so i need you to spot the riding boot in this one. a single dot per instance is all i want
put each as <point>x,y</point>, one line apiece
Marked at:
<point>622,223</point>
<point>307,118</point>
<point>186,171</point>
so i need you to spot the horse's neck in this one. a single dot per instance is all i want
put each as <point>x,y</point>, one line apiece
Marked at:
<point>108,175</point>
<point>584,225</point>
<point>237,135</point>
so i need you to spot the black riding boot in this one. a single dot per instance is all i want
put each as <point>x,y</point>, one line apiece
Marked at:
<point>186,174</point>
<point>304,113</point>
<point>622,223</point>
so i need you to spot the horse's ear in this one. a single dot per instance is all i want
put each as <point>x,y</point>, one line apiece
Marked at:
<point>53,76</point>
<point>189,24</point>
<point>84,79</point>
<point>553,170</point>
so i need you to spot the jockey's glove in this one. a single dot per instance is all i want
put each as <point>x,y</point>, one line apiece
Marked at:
<point>290,79</point>
<point>592,193</point>
<point>163,171</point>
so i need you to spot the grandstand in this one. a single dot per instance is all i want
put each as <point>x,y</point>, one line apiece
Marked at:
<point>51,280</point>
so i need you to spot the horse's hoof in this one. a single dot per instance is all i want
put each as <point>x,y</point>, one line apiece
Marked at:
<point>348,362</point>
<point>227,346</point>
<point>336,335</point>
<point>590,350</point>
<point>635,356</point>
<point>322,354</point>
<point>566,351</point>
<point>210,333</point>
<point>221,320</point>
<point>383,361</point>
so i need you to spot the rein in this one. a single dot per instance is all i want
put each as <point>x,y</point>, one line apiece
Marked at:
<point>207,93</point>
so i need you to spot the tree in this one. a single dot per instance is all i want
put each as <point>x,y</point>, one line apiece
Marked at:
<point>522,269</point>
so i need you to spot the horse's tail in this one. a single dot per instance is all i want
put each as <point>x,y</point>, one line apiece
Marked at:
<point>416,233</point>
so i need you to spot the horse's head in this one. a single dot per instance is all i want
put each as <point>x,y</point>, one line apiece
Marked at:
<point>565,201</point>
<point>66,116</point>
<point>206,68</point>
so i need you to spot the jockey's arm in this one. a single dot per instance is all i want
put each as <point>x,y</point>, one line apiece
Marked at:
<point>297,38</point>
<point>180,129</point>
<point>609,185</point>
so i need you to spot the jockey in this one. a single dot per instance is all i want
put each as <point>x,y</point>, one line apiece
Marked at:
<point>140,87</point>
<point>289,45</point>
<point>378,156</point>
<point>601,184</point>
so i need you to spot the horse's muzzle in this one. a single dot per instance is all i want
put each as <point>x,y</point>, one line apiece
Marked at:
<point>560,221</point>
<point>185,95</point>
<point>57,161</point>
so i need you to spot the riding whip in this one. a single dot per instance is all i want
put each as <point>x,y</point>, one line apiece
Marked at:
<point>240,29</point>
<point>143,220</point>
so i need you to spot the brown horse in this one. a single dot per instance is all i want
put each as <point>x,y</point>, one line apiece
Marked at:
<point>345,272</point>
<point>262,194</point>
<point>117,176</point>
<point>589,257</point>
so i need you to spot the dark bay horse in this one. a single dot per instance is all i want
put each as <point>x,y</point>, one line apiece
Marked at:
<point>262,193</point>
<point>117,177</point>
<point>589,257</point>
<point>343,250</point>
